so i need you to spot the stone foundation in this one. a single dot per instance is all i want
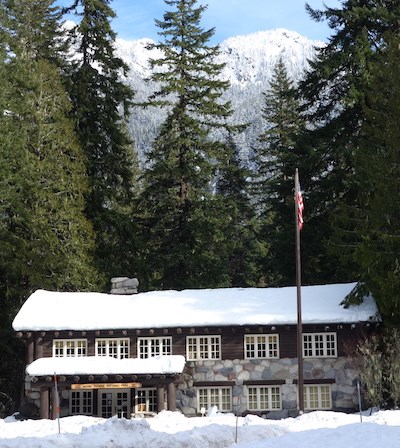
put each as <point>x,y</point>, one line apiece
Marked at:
<point>340,370</point>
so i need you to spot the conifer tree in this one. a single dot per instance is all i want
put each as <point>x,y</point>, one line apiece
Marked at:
<point>183,217</point>
<point>46,240</point>
<point>276,157</point>
<point>333,93</point>
<point>378,162</point>
<point>101,103</point>
<point>244,251</point>
<point>45,217</point>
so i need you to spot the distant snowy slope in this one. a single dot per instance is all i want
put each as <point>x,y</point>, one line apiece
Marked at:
<point>249,61</point>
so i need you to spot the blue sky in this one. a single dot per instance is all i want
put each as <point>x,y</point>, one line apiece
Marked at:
<point>229,17</point>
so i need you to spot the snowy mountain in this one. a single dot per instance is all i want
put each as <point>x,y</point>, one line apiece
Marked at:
<point>249,61</point>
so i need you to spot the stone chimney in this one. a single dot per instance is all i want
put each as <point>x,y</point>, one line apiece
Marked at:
<point>124,285</point>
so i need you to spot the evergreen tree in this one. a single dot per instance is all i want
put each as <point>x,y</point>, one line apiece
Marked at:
<point>101,102</point>
<point>183,217</point>
<point>378,162</point>
<point>282,148</point>
<point>244,251</point>
<point>46,240</point>
<point>44,216</point>
<point>333,94</point>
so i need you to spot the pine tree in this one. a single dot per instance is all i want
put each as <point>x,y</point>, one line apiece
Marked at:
<point>333,93</point>
<point>46,240</point>
<point>45,216</point>
<point>244,251</point>
<point>378,162</point>
<point>184,219</point>
<point>276,157</point>
<point>101,103</point>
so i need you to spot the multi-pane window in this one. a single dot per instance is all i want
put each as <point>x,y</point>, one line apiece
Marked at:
<point>203,347</point>
<point>154,346</point>
<point>261,346</point>
<point>319,345</point>
<point>146,400</point>
<point>317,397</point>
<point>63,348</point>
<point>81,402</point>
<point>208,397</point>
<point>264,398</point>
<point>117,348</point>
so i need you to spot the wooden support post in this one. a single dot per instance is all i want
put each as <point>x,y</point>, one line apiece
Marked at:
<point>30,351</point>
<point>171,397</point>
<point>38,347</point>
<point>44,403</point>
<point>160,397</point>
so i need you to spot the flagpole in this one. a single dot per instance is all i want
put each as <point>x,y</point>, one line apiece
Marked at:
<point>298,287</point>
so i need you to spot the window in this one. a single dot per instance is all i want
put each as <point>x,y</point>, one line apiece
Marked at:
<point>154,346</point>
<point>221,397</point>
<point>203,347</point>
<point>81,402</point>
<point>146,400</point>
<point>319,345</point>
<point>264,398</point>
<point>117,348</point>
<point>63,348</point>
<point>261,346</point>
<point>317,396</point>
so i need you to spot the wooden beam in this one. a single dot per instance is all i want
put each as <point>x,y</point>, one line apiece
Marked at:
<point>44,403</point>
<point>171,397</point>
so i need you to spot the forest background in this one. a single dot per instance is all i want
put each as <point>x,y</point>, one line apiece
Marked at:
<point>78,206</point>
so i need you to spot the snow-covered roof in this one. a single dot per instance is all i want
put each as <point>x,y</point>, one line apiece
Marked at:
<point>48,310</point>
<point>105,365</point>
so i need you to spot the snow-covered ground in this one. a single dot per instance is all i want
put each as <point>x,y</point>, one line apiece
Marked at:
<point>173,430</point>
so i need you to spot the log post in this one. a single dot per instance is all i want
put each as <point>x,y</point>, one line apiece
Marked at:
<point>171,397</point>
<point>44,403</point>
<point>160,397</point>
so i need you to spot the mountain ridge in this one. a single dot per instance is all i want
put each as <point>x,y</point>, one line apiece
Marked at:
<point>249,62</point>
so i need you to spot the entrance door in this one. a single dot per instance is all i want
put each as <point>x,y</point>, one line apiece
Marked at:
<point>114,402</point>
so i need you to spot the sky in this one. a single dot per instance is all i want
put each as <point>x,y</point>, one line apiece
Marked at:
<point>171,429</point>
<point>135,18</point>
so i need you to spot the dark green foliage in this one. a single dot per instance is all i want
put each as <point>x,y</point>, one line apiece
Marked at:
<point>99,97</point>
<point>282,148</point>
<point>276,158</point>
<point>185,221</point>
<point>244,251</point>
<point>378,162</point>
<point>334,93</point>
<point>46,240</point>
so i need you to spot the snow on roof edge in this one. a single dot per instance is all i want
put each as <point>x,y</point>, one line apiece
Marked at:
<point>201,307</point>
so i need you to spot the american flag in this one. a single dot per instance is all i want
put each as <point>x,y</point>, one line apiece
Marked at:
<point>300,208</point>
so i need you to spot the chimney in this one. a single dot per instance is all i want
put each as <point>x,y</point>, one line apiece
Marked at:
<point>124,285</point>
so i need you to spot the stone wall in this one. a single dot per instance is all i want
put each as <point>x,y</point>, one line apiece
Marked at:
<point>341,370</point>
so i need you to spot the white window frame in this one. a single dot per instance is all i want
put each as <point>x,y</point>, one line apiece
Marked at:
<point>69,348</point>
<point>317,397</point>
<point>319,345</point>
<point>81,402</point>
<point>146,399</point>
<point>261,346</point>
<point>115,347</point>
<point>264,398</point>
<point>219,396</point>
<point>153,346</point>
<point>205,347</point>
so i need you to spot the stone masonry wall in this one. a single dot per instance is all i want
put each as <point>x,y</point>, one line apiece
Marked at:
<point>341,370</point>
